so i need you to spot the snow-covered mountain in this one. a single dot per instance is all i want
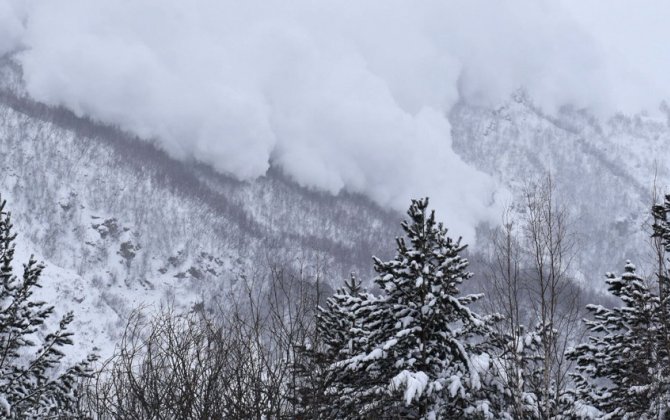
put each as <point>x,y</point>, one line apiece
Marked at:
<point>120,224</point>
<point>604,171</point>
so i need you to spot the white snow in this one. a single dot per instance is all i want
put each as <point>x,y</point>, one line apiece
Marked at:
<point>414,384</point>
<point>4,404</point>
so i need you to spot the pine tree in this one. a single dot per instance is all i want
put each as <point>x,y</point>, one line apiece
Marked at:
<point>29,384</point>
<point>622,370</point>
<point>661,225</point>
<point>323,389</point>
<point>661,234</point>
<point>421,356</point>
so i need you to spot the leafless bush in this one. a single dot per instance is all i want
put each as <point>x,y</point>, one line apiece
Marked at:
<point>236,363</point>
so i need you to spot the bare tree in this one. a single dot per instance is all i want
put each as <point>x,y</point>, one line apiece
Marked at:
<point>505,297</point>
<point>234,363</point>
<point>531,286</point>
<point>167,366</point>
<point>550,247</point>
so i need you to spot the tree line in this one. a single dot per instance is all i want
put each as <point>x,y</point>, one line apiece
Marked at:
<point>409,345</point>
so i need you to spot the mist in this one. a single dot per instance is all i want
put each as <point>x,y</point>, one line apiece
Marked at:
<point>339,95</point>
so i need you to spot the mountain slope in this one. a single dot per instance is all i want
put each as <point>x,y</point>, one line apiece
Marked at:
<point>603,171</point>
<point>120,224</point>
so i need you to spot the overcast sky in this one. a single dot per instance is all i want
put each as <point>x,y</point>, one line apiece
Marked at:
<point>347,94</point>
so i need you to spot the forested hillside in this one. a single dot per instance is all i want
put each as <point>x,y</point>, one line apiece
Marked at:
<point>143,248</point>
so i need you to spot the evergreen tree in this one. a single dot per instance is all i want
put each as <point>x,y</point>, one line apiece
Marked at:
<point>339,334</point>
<point>622,370</point>
<point>661,225</point>
<point>422,352</point>
<point>661,234</point>
<point>33,382</point>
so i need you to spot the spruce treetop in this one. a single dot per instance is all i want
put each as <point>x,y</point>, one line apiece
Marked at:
<point>430,265</point>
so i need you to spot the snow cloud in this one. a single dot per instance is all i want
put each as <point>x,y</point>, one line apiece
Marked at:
<point>12,15</point>
<point>339,94</point>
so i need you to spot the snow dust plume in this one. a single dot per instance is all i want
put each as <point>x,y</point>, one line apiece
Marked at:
<point>341,95</point>
<point>12,15</point>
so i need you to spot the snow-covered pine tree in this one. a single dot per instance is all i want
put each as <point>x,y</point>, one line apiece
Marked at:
<point>661,228</point>
<point>323,388</point>
<point>660,213</point>
<point>419,360</point>
<point>661,235</point>
<point>33,382</point>
<point>622,370</point>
